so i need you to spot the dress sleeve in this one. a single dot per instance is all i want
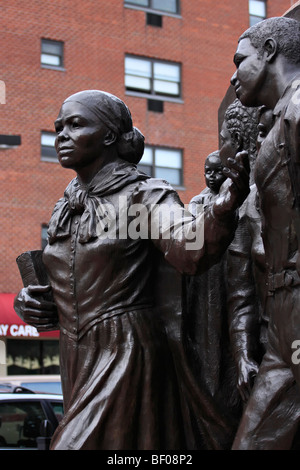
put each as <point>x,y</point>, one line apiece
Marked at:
<point>189,243</point>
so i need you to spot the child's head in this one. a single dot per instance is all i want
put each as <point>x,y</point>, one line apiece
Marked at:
<point>213,172</point>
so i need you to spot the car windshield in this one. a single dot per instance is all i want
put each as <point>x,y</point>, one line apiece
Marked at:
<point>43,387</point>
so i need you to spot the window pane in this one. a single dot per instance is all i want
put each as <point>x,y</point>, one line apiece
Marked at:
<point>137,83</point>
<point>168,72</point>
<point>51,47</point>
<point>138,67</point>
<point>143,3</point>
<point>49,153</point>
<point>165,5</point>
<point>168,158</point>
<point>147,157</point>
<point>146,169</point>
<point>166,88</point>
<point>50,60</point>
<point>255,19</point>
<point>170,175</point>
<point>47,145</point>
<point>257,8</point>
<point>48,139</point>
<point>167,78</point>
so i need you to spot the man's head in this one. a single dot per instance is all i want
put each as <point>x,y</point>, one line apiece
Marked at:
<point>285,31</point>
<point>260,48</point>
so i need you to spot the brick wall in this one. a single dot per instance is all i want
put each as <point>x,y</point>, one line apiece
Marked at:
<point>96,36</point>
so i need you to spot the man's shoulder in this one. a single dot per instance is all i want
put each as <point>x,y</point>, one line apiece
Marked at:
<point>292,101</point>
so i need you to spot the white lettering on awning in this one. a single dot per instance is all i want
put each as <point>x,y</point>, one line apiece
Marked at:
<point>3,330</point>
<point>18,330</point>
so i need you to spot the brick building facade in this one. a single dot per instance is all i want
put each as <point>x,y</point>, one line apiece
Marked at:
<point>189,45</point>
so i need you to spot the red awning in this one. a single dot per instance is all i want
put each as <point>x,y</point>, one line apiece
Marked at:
<point>12,326</point>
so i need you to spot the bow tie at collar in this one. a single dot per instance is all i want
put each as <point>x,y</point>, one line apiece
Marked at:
<point>77,201</point>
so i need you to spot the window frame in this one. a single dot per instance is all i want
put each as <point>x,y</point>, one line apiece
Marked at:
<point>61,56</point>
<point>44,157</point>
<point>149,9</point>
<point>154,166</point>
<point>151,94</point>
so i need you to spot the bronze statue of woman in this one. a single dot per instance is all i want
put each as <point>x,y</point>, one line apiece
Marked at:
<point>126,382</point>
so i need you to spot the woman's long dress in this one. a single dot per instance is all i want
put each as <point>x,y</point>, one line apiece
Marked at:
<point>126,381</point>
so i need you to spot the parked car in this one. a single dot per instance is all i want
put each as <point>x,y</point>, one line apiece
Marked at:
<point>36,383</point>
<point>28,419</point>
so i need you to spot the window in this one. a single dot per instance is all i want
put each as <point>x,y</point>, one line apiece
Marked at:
<point>9,141</point>
<point>52,53</point>
<point>163,163</point>
<point>31,357</point>
<point>257,11</point>
<point>152,77</point>
<point>154,20</point>
<point>166,6</point>
<point>48,152</point>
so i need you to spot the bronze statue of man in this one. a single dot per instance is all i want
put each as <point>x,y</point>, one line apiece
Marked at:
<point>268,73</point>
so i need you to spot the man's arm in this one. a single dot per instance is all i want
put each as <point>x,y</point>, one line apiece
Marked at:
<point>243,314</point>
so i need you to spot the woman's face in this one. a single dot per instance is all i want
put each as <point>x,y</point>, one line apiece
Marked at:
<point>80,136</point>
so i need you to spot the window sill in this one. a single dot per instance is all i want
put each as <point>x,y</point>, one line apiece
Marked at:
<point>150,10</point>
<point>53,67</point>
<point>154,97</point>
<point>49,160</point>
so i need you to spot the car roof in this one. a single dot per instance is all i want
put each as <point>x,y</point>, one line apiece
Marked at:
<point>30,396</point>
<point>29,378</point>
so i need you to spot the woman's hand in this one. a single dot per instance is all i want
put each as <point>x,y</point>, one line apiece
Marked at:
<point>35,310</point>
